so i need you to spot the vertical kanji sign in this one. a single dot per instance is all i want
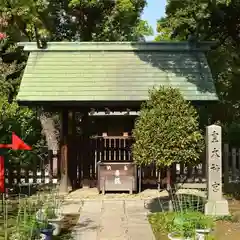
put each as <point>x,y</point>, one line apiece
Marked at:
<point>17,144</point>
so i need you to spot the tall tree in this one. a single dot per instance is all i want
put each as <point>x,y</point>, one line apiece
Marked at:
<point>81,20</point>
<point>216,20</point>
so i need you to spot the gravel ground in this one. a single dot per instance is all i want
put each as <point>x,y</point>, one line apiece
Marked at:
<point>92,193</point>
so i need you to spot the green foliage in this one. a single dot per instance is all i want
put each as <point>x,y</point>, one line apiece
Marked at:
<point>208,19</point>
<point>110,21</point>
<point>51,212</point>
<point>211,20</point>
<point>164,30</point>
<point>13,118</point>
<point>231,133</point>
<point>167,130</point>
<point>24,123</point>
<point>26,227</point>
<point>186,223</point>
<point>79,20</point>
<point>22,213</point>
<point>160,222</point>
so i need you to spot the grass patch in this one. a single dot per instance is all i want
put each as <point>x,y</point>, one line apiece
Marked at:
<point>9,218</point>
<point>69,222</point>
<point>159,224</point>
<point>184,224</point>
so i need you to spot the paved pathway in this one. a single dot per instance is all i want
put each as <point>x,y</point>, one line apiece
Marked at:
<point>112,216</point>
<point>113,220</point>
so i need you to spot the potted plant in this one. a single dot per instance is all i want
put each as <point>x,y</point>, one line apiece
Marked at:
<point>46,230</point>
<point>55,218</point>
<point>51,214</point>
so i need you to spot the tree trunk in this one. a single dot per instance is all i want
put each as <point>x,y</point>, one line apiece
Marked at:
<point>50,131</point>
<point>52,136</point>
<point>170,190</point>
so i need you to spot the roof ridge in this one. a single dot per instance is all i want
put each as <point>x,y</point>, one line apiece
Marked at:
<point>118,46</point>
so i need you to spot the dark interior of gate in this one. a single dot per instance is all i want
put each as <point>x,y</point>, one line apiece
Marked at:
<point>104,137</point>
<point>97,138</point>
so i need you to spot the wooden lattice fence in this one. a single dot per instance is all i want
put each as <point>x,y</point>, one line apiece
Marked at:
<point>119,149</point>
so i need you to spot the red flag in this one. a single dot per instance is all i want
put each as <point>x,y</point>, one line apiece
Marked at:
<point>18,143</point>
<point>2,177</point>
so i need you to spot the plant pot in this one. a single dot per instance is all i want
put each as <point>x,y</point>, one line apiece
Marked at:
<point>202,233</point>
<point>57,223</point>
<point>175,236</point>
<point>47,232</point>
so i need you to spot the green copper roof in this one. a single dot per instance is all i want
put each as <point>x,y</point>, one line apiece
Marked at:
<point>69,71</point>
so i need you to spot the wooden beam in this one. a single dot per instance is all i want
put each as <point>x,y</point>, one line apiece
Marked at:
<point>191,185</point>
<point>114,113</point>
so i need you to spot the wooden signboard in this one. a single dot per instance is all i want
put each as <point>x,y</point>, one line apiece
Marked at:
<point>117,176</point>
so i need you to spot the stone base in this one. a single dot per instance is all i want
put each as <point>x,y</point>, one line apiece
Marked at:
<point>64,186</point>
<point>85,183</point>
<point>217,208</point>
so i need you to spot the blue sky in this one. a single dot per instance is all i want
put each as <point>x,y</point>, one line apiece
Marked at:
<point>154,11</point>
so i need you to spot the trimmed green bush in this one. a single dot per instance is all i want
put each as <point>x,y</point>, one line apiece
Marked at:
<point>167,130</point>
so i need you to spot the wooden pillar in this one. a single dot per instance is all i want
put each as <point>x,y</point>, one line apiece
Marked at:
<point>72,145</point>
<point>50,165</point>
<point>85,151</point>
<point>64,182</point>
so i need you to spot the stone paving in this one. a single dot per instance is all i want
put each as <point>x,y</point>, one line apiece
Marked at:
<point>113,220</point>
<point>113,216</point>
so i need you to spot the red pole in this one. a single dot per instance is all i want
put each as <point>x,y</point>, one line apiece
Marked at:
<point>2,177</point>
